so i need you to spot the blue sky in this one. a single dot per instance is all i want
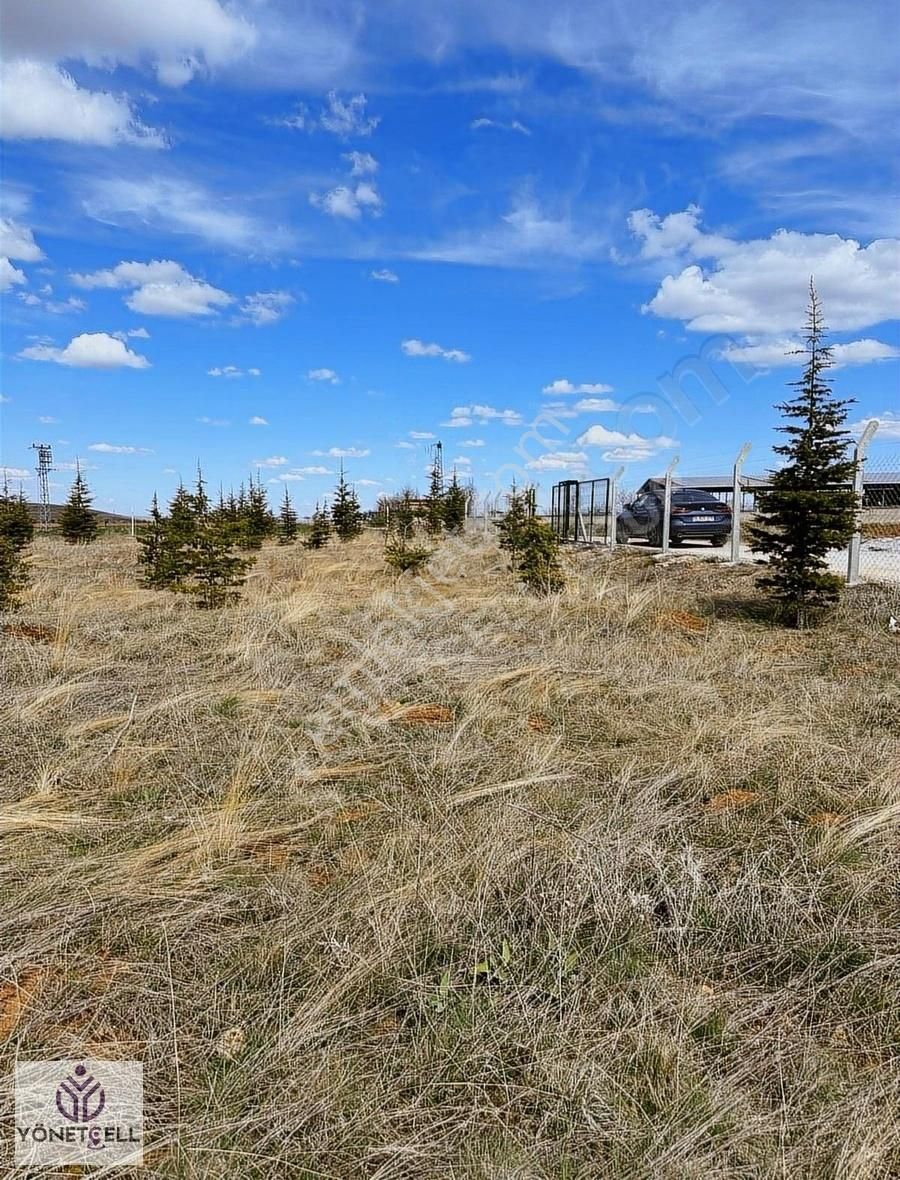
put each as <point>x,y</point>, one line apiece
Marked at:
<point>558,238</point>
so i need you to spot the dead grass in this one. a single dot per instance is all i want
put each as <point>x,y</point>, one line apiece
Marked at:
<point>427,878</point>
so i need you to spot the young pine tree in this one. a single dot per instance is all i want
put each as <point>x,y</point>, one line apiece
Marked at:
<point>346,516</point>
<point>455,503</point>
<point>15,519</point>
<point>512,526</point>
<point>810,507</point>
<point>320,528</point>
<point>77,523</point>
<point>539,567</point>
<point>258,520</point>
<point>399,551</point>
<point>287,521</point>
<point>151,538</point>
<point>16,533</point>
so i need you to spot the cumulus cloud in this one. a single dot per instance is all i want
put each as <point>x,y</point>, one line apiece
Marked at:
<point>472,442</point>
<point>10,276</point>
<point>349,201</point>
<point>314,470</point>
<point>420,348</point>
<point>41,101</point>
<point>256,420</point>
<point>562,385</point>
<point>90,350</point>
<point>17,241</point>
<point>384,276</point>
<point>232,372</point>
<point>266,307</point>
<point>560,461</point>
<point>161,287</point>
<point>624,448</point>
<point>759,287</point>
<point>179,39</point>
<point>271,461</point>
<point>328,375</point>
<point>781,353</point>
<point>361,163</point>
<point>466,415</point>
<point>596,405</point>
<point>421,434</point>
<point>118,449</point>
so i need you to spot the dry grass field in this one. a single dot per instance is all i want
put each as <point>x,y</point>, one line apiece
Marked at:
<point>431,879</point>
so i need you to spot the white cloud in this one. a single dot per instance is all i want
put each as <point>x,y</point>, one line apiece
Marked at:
<point>206,421</point>
<point>328,375</point>
<point>180,39</point>
<point>316,470</point>
<point>888,426</point>
<point>90,350</point>
<point>183,207</point>
<point>384,276</point>
<point>368,483</point>
<point>405,446</point>
<point>17,241</point>
<point>625,447</point>
<point>47,419</point>
<point>514,125</point>
<point>461,461</point>
<point>41,101</point>
<point>782,353</point>
<point>596,405</point>
<point>560,461</point>
<point>472,442</point>
<point>10,276</point>
<point>759,287</point>
<point>344,453</point>
<point>349,202</point>
<point>266,307</point>
<point>55,306</point>
<point>256,420</point>
<point>161,287</point>
<point>232,372</point>
<point>138,333</point>
<point>17,473</point>
<point>562,385</point>
<point>466,415</point>
<point>118,449</point>
<point>420,348</point>
<point>361,163</point>
<point>421,434</point>
<point>347,118</point>
<point>272,461</point>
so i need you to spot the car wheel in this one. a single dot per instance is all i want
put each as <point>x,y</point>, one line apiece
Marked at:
<point>718,542</point>
<point>676,540</point>
<point>654,537</point>
<point>621,535</point>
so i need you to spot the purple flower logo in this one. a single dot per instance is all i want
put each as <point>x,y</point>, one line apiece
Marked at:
<point>80,1098</point>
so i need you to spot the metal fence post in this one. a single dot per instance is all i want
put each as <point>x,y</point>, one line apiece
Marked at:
<point>737,497</point>
<point>859,458</point>
<point>612,489</point>
<point>667,505</point>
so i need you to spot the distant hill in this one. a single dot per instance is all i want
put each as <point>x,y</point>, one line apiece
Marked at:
<point>103,517</point>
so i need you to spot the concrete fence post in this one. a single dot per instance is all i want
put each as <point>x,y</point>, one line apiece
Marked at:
<point>667,505</point>
<point>737,496</point>
<point>613,489</point>
<point>859,458</point>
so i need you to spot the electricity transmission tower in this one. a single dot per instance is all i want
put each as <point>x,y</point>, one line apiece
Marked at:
<point>43,467</point>
<point>438,468</point>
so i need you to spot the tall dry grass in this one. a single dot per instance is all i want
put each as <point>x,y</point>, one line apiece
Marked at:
<point>432,879</point>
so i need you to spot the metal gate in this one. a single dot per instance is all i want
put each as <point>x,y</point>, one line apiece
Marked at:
<point>580,510</point>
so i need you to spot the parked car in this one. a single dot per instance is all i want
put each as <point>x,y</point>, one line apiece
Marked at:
<point>696,516</point>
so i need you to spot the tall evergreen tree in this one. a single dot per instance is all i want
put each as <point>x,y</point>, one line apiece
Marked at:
<point>287,521</point>
<point>434,501</point>
<point>77,523</point>
<point>346,516</point>
<point>258,520</point>
<point>320,528</point>
<point>810,507</point>
<point>151,538</point>
<point>455,504</point>
<point>511,526</point>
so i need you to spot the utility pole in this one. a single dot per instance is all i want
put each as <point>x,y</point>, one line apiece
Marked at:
<point>859,459</point>
<point>43,466</point>
<point>737,496</point>
<point>667,505</point>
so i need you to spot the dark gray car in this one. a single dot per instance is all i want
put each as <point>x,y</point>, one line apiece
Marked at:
<point>696,516</point>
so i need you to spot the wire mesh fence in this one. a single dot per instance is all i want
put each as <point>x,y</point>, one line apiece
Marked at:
<point>879,518</point>
<point>581,510</point>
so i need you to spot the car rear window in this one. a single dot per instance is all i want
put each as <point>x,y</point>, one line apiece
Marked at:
<point>689,497</point>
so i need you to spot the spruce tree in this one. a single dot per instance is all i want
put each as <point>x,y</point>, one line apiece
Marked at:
<point>511,526</point>
<point>810,507</point>
<point>434,501</point>
<point>152,539</point>
<point>16,533</point>
<point>346,516</point>
<point>538,557</point>
<point>258,522</point>
<point>77,523</point>
<point>455,504</point>
<point>15,519</point>
<point>320,529</point>
<point>287,521</point>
